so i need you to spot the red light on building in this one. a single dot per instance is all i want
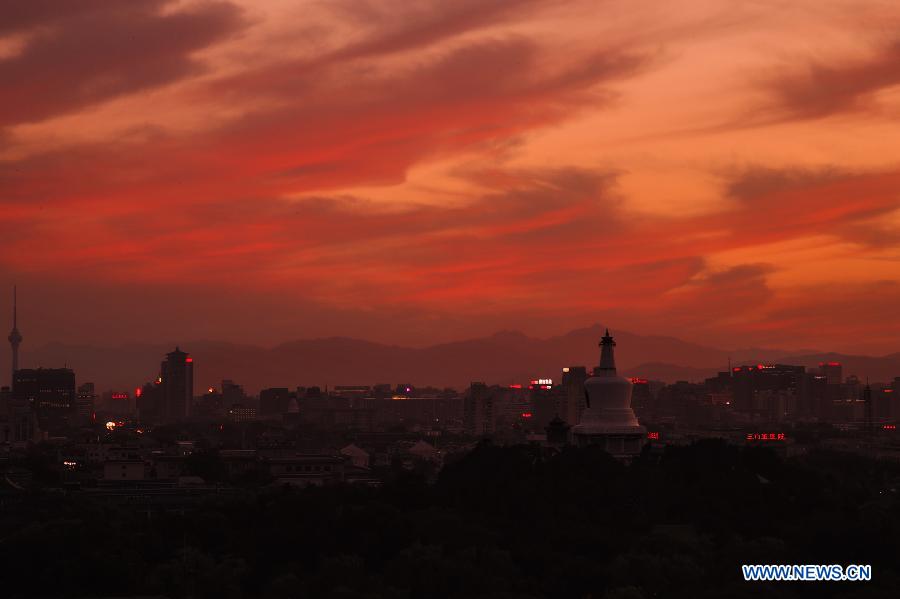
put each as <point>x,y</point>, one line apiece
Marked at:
<point>138,392</point>
<point>736,369</point>
<point>189,360</point>
<point>889,427</point>
<point>654,435</point>
<point>515,386</point>
<point>829,363</point>
<point>526,414</point>
<point>638,381</point>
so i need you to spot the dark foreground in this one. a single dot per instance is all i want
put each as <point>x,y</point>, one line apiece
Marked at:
<point>501,522</point>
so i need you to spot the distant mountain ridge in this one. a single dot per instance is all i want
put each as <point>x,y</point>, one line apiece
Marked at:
<point>504,357</point>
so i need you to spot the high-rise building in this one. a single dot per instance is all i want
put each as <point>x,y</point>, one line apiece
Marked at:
<point>177,382</point>
<point>85,403</point>
<point>15,339</point>
<point>149,402</point>
<point>816,396</point>
<point>768,392</point>
<point>572,399</point>
<point>50,393</point>
<point>479,410</point>
<point>833,372</point>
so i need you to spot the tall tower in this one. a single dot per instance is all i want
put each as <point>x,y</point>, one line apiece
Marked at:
<point>15,338</point>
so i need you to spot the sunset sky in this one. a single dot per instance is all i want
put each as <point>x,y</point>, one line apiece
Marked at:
<point>417,172</point>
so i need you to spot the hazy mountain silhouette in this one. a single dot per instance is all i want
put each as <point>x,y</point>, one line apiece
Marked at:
<point>502,358</point>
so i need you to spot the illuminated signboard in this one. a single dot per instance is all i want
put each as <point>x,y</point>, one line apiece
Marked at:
<point>765,437</point>
<point>654,435</point>
<point>526,414</point>
<point>515,386</point>
<point>119,395</point>
<point>638,381</point>
<point>889,427</point>
<point>542,382</point>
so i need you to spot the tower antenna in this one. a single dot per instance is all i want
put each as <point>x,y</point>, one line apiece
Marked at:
<point>15,339</point>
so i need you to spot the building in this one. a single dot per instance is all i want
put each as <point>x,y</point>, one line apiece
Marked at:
<point>176,378</point>
<point>558,432</point>
<point>832,371</point>
<point>608,420</point>
<point>233,393</point>
<point>124,469</point>
<point>307,470</point>
<point>241,413</point>
<point>768,392</point>
<point>50,394</point>
<point>480,410</point>
<point>356,455</point>
<point>149,401</point>
<point>274,401</point>
<point>85,404</point>
<point>573,398</point>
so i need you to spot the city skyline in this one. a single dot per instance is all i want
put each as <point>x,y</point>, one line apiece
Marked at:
<point>420,175</point>
<point>301,361</point>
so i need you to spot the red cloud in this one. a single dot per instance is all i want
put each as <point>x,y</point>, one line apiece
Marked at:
<point>81,53</point>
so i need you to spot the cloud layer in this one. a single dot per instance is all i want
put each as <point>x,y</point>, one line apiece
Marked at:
<point>428,171</point>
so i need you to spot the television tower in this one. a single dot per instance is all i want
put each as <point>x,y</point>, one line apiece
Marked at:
<point>15,338</point>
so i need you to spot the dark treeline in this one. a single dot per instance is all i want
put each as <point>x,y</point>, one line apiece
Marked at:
<point>500,522</point>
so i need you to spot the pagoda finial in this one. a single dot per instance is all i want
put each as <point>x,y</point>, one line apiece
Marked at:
<point>607,360</point>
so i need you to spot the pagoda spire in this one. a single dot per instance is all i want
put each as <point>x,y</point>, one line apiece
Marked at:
<point>607,357</point>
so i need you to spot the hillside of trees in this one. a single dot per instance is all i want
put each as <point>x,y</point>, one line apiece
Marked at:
<point>506,523</point>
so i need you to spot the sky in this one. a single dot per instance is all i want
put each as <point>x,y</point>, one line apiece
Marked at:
<point>419,172</point>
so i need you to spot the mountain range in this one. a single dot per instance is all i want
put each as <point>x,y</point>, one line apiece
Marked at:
<point>505,357</point>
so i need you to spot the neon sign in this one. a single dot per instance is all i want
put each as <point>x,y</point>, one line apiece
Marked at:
<point>766,437</point>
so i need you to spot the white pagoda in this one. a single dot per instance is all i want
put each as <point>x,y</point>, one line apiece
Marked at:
<point>608,420</point>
